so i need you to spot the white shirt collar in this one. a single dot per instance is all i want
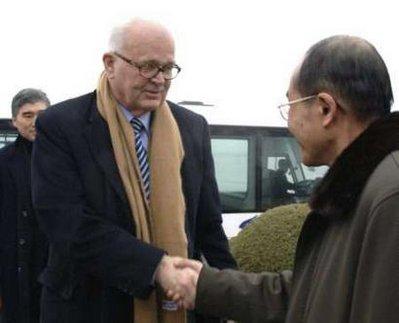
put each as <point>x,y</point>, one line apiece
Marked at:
<point>144,118</point>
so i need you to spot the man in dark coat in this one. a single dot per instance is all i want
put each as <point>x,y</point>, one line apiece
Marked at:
<point>98,266</point>
<point>347,260</point>
<point>23,248</point>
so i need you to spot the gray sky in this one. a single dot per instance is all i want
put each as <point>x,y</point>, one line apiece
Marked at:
<point>237,55</point>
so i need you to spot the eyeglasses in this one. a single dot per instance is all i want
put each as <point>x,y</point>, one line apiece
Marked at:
<point>285,107</point>
<point>150,70</point>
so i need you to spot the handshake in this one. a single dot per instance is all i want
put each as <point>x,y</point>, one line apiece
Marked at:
<point>178,277</point>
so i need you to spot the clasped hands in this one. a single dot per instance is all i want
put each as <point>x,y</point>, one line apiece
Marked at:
<point>178,278</point>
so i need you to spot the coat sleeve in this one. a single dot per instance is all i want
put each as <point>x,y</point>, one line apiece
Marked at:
<point>245,297</point>
<point>376,289</point>
<point>210,234</point>
<point>83,239</point>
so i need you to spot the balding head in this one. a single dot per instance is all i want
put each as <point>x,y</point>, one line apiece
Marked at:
<point>136,31</point>
<point>352,70</point>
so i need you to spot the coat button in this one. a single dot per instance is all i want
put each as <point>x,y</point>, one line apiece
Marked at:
<point>25,213</point>
<point>21,241</point>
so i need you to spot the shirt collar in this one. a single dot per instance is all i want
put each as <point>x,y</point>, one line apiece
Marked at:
<point>144,118</point>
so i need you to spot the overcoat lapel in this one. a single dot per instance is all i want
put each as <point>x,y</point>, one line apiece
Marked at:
<point>98,138</point>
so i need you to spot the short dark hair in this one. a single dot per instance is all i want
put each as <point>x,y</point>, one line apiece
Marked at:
<point>26,96</point>
<point>352,69</point>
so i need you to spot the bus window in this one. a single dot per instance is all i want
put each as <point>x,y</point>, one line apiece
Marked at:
<point>235,172</point>
<point>285,179</point>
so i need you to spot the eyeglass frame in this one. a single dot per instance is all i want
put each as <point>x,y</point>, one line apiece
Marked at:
<point>139,67</point>
<point>293,102</point>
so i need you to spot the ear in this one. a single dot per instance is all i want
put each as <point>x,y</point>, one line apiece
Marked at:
<point>109,64</point>
<point>328,108</point>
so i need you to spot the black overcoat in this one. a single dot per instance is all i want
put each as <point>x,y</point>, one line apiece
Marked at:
<point>96,265</point>
<point>23,248</point>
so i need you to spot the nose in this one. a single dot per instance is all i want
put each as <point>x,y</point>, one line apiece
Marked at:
<point>158,78</point>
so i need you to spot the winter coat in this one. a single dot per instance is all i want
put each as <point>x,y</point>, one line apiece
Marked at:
<point>347,259</point>
<point>23,248</point>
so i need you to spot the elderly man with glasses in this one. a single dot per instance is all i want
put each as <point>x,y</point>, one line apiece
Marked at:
<point>347,260</point>
<point>122,181</point>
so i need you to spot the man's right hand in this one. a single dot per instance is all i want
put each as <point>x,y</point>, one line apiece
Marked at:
<point>185,290</point>
<point>165,274</point>
<point>178,279</point>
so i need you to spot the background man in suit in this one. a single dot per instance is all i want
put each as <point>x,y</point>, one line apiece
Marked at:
<point>23,249</point>
<point>120,178</point>
<point>347,260</point>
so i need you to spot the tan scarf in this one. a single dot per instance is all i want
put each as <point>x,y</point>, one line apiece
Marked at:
<point>160,222</point>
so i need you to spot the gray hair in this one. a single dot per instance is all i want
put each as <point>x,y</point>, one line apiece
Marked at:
<point>120,36</point>
<point>117,38</point>
<point>27,96</point>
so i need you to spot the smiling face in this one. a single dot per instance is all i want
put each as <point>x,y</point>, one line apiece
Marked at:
<point>25,119</point>
<point>143,43</point>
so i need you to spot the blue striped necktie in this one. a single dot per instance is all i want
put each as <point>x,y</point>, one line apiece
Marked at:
<point>142,156</point>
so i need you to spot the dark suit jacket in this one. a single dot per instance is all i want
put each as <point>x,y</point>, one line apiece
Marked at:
<point>95,261</point>
<point>23,249</point>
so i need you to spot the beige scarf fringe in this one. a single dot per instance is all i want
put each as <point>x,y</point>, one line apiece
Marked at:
<point>160,222</point>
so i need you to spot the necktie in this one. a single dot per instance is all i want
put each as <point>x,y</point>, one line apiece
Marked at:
<point>142,156</point>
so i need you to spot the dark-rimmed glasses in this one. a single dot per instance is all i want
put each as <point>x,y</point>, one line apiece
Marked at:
<point>150,70</point>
